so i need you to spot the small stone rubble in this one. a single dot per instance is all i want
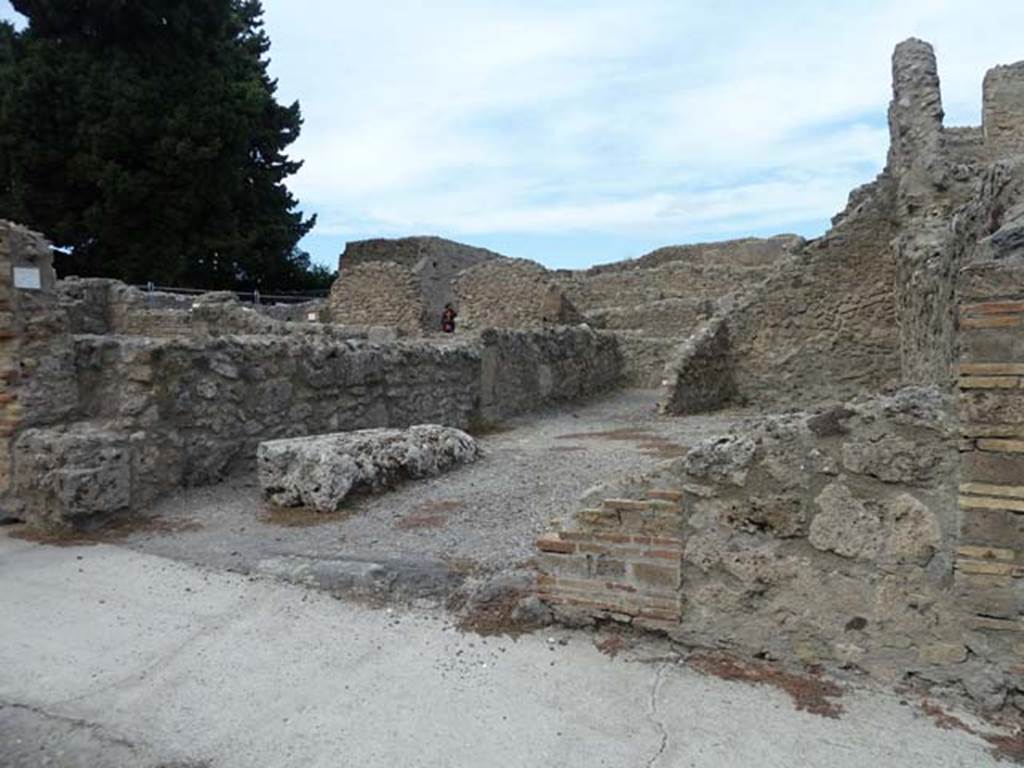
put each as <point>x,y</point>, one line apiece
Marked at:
<point>321,472</point>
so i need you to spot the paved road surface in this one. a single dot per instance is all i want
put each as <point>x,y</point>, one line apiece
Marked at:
<point>111,657</point>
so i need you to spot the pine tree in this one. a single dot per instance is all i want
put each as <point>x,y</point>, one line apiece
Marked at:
<point>144,136</point>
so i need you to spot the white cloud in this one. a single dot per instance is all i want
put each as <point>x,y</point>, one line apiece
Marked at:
<point>654,118</point>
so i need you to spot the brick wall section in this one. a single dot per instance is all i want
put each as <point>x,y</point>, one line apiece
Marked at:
<point>379,293</point>
<point>990,562</point>
<point>621,562</point>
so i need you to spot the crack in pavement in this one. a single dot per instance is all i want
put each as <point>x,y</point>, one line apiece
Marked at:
<point>98,730</point>
<point>652,714</point>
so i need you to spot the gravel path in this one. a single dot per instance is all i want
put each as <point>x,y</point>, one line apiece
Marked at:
<point>486,515</point>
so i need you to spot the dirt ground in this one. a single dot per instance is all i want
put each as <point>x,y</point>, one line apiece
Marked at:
<point>482,518</point>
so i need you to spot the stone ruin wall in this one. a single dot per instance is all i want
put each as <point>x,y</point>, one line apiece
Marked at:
<point>828,537</point>
<point>520,370</point>
<point>662,293</point>
<point>378,293</point>
<point>511,293</point>
<point>990,402</point>
<point>35,390</point>
<point>706,382</point>
<point>100,420</point>
<point>1003,111</point>
<point>872,303</point>
<point>883,535</point>
<point>699,272</point>
<point>434,264</point>
<point>655,302</point>
<point>650,303</point>
<point>410,251</point>
<point>740,253</point>
<point>105,306</point>
<point>823,324</point>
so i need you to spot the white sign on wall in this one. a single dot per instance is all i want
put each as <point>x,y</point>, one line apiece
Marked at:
<point>28,278</point>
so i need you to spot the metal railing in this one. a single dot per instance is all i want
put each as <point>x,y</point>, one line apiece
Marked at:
<point>253,297</point>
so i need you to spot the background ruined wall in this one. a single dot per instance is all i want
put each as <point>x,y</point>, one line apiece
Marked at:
<point>1003,111</point>
<point>696,272</point>
<point>656,301</point>
<point>873,302</point>
<point>511,293</point>
<point>410,251</point>
<point>823,324</point>
<point>379,293</point>
<point>651,303</point>
<point>434,262</point>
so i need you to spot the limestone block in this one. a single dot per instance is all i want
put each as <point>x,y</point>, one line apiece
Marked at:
<point>915,536</point>
<point>891,459</point>
<point>783,515</point>
<point>64,475</point>
<point>724,459</point>
<point>942,654</point>
<point>845,524</point>
<point>321,471</point>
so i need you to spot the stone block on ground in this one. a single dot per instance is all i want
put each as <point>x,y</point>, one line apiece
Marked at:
<point>68,474</point>
<point>322,470</point>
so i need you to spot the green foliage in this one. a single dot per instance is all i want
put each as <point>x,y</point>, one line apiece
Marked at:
<point>144,136</point>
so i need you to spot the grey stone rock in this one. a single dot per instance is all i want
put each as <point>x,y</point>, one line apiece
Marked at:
<point>66,475</point>
<point>321,471</point>
<point>915,536</point>
<point>784,516</point>
<point>531,611</point>
<point>399,579</point>
<point>722,459</point>
<point>845,525</point>
<point>891,459</point>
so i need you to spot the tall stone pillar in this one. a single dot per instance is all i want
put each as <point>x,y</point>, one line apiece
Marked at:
<point>915,113</point>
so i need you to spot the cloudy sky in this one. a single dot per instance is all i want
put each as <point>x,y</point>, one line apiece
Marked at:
<point>576,132</point>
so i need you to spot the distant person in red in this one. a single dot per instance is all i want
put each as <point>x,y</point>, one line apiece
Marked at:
<point>448,319</point>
